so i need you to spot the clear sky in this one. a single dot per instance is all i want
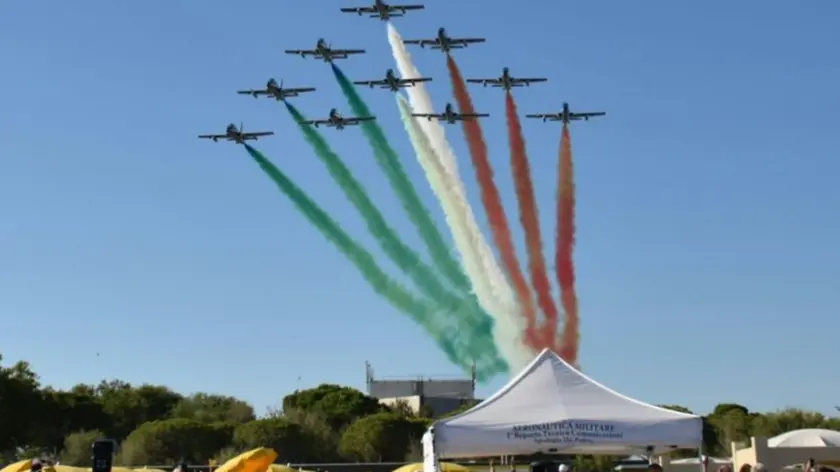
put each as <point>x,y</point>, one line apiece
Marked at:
<point>708,202</point>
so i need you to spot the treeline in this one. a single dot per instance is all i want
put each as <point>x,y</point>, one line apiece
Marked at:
<point>330,423</point>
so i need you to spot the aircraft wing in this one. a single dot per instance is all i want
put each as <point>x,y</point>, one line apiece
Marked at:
<point>212,136</point>
<point>257,134</point>
<point>484,81</point>
<point>346,52</point>
<point>473,115</point>
<point>302,52</point>
<point>358,119</point>
<point>467,40</point>
<point>529,81</point>
<point>299,90</point>
<point>371,82</point>
<point>252,92</point>
<point>415,81</point>
<point>359,10</point>
<point>406,7</point>
<point>543,115</point>
<point>316,122</point>
<point>421,42</point>
<point>427,115</point>
<point>586,115</point>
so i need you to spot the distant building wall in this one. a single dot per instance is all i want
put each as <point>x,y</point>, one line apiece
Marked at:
<point>438,405</point>
<point>419,386</point>
<point>458,388</point>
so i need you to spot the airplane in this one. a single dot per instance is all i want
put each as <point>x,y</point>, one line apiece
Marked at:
<point>382,10</point>
<point>507,82</point>
<point>450,116</point>
<point>325,52</point>
<point>335,120</point>
<point>272,89</point>
<point>237,135</point>
<point>392,82</point>
<point>566,116</point>
<point>444,42</point>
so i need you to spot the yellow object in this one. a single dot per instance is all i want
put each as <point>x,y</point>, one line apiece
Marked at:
<point>280,468</point>
<point>68,468</point>
<point>284,468</point>
<point>444,466</point>
<point>18,466</point>
<point>257,460</point>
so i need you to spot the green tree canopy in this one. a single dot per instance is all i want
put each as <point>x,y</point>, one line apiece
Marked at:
<point>338,405</point>
<point>329,423</point>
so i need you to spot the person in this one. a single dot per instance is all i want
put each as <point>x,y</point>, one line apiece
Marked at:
<point>654,467</point>
<point>36,465</point>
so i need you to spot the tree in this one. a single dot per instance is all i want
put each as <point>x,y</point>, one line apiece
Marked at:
<point>209,408</point>
<point>19,402</point>
<point>329,423</point>
<point>287,438</point>
<point>338,405</point>
<point>77,446</point>
<point>130,407</point>
<point>466,405</point>
<point>322,438</point>
<point>69,412</point>
<point>174,440</point>
<point>382,437</point>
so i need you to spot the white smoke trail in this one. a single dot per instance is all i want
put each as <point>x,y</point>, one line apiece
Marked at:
<point>500,302</point>
<point>506,336</point>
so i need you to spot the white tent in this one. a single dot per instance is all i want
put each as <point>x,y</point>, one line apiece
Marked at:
<point>551,407</point>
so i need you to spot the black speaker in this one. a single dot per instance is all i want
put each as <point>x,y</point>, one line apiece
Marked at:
<point>103,455</point>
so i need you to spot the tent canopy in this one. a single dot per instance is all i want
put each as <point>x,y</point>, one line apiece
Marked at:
<point>551,407</point>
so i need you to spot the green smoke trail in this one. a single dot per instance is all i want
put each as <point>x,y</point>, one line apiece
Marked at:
<point>450,307</point>
<point>473,319</point>
<point>390,164</point>
<point>503,339</point>
<point>421,312</point>
<point>394,248</point>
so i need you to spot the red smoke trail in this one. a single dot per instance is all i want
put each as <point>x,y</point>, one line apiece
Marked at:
<point>493,204</point>
<point>529,216</point>
<point>564,264</point>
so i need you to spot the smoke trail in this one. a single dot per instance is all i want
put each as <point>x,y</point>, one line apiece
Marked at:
<point>493,203</point>
<point>421,312</point>
<point>396,250</point>
<point>390,164</point>
<point>506,339</point>
<point>529,216</point>
<point>564,264</point>
<point>489,282</point>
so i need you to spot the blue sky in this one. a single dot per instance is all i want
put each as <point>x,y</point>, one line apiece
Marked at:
<point>707,260</point>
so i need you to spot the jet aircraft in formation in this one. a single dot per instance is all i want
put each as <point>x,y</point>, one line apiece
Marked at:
<point>237,135</point>
<point>272,89</point>
<point>382,10</point>
<point>392,82</point>
<point>444,42</point>
<point>450,116</point>
<point>335,120</point>
<point>566,115</point>
<point>325,52</point>
<point>507,82</point>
